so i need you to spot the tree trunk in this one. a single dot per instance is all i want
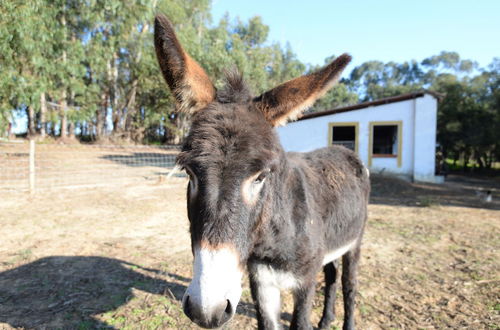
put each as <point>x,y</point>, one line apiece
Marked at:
<point>10,134</point>
<point>101,117</point>
<point>64,119</point>
<point>31,121</point>
<point>63,102</point>
<point>183,126</point>
<point>71,126</point>
<point>71,130</point>
<point>170,128</point>
<point>63,133</point>
<point>113,94</point>
<point>98,124</point>
<point>466,160</point>
<point>43,111</point>
<point>480,161</point>
<point>92,129</point>
<point>488,156</point>
<point>131,109</point>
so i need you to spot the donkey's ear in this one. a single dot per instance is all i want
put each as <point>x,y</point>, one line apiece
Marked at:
<point>189,83</point>
<point>288,100</point>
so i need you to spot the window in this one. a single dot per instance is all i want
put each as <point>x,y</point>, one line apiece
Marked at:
<point>385,141</point>
<point>344,134</point>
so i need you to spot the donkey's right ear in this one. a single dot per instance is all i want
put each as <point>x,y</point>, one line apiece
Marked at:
<point>188,82</point>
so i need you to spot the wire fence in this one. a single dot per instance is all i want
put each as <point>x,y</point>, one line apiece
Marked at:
<point>28,166</point>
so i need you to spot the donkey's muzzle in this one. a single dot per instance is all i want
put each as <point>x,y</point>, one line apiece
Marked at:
<point>212,296</point>
<point>214,318</point>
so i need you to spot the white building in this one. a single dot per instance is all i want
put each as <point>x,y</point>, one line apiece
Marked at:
<point>395,135</point>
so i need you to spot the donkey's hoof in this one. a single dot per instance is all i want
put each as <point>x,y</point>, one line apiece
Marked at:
<point>325,323</point>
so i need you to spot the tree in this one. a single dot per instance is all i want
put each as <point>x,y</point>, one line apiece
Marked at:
<point>468,117</point>
<point>374,79</point>
<point>20,77</point>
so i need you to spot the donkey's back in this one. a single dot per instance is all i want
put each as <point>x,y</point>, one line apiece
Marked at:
<point>338,188</point>
<point>340,172</point>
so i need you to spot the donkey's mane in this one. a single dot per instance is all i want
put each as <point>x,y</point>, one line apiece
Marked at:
<point>235,89</point>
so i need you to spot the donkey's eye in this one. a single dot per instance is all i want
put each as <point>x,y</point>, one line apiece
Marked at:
<point>262,177</point>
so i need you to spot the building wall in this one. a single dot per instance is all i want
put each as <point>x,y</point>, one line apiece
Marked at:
<point>417,115</point>
<point>425,139</point>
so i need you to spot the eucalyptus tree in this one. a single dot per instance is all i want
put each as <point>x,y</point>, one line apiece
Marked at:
<point>375,79</point>
<point>466,118</point>
<point>23,59</point>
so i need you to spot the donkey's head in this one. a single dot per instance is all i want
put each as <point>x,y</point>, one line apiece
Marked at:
<point>233,158</point>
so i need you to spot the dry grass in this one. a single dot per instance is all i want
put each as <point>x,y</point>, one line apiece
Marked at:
<point>120,258</point>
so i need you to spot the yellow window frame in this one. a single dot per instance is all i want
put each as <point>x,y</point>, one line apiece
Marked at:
<point>343,124</point>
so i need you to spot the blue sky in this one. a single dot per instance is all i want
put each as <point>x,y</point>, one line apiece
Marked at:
<point>385,30</point>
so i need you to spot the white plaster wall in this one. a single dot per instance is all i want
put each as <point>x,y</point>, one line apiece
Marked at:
<point>425,138</point>
<point>304,135</point>
<point>310,134</point>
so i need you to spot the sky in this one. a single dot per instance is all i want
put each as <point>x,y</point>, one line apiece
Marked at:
<point>384,30</point>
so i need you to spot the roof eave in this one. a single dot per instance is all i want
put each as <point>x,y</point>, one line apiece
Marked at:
<point>387,100</point>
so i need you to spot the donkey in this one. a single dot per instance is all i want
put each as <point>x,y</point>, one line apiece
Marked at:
<point>284,216</point>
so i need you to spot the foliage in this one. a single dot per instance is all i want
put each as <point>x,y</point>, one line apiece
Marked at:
<point>96,67</point>
<point>469,116</point>
<point>89,71</point>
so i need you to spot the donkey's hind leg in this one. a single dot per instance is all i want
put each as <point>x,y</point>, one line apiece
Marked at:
<point>350,262</point>
<point>331,273</point>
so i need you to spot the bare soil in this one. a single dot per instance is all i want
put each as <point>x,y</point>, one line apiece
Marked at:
<point>119,257</point>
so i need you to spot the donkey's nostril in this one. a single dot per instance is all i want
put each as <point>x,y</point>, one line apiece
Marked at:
<point>229,308</point>
<point>187,307</point>
<point>227,314</point>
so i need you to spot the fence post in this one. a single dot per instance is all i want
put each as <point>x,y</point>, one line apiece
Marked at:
<point>32,166</point>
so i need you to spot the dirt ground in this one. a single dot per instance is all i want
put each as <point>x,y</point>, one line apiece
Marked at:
<point>119,257</point>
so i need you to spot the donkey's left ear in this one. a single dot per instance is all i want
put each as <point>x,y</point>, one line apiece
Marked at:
<point>288,100</point>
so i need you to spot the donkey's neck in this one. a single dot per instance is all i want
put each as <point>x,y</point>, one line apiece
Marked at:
<point>285,208</point>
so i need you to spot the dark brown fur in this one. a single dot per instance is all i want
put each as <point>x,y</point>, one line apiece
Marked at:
<point>310,203</point>
<point>188,82</point>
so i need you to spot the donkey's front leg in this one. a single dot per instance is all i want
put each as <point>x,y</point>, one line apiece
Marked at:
<point>303,297</point>
<point>267,299</point>
<point>331,271</point>
<point>350,262</point>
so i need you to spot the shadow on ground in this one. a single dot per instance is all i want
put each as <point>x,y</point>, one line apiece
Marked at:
<point>64,292</point>
<point>143,159</point>
<point>458,190</point>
